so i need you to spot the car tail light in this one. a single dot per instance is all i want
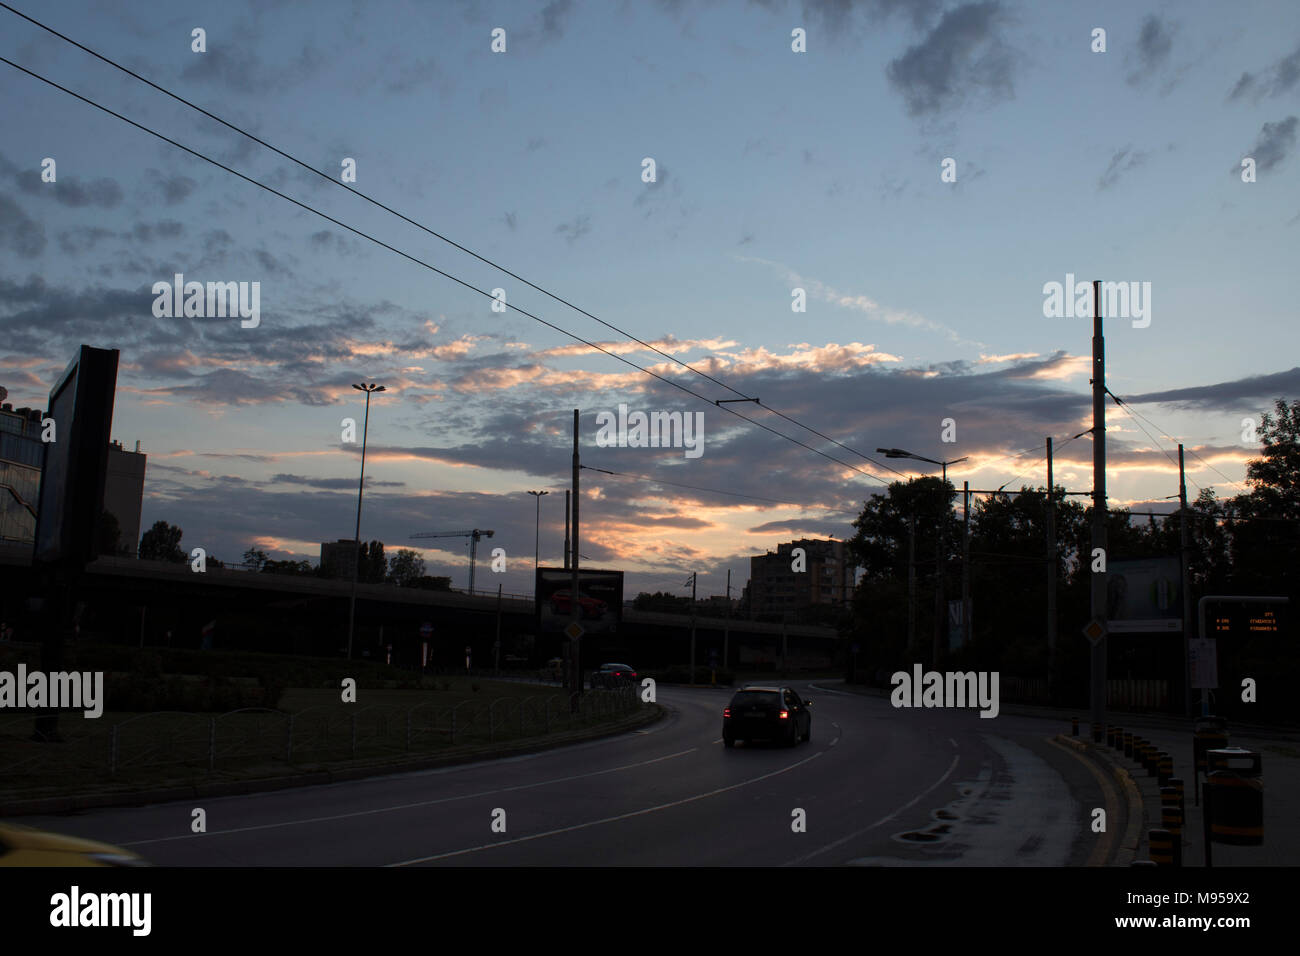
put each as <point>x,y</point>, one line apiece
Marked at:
<point>785,714</point>
<point>726,712</point>
<point>618,673</point>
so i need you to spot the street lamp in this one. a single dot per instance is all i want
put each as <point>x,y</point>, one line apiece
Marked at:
<point>356,561</point>
<point>536,526</point>
<point>939,542</point>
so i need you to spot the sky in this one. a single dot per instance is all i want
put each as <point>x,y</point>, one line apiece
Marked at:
<point>922,171</point>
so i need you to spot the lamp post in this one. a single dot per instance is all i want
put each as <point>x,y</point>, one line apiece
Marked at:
<point>938,543</point>
<point>536,532</point>
<point>356,560</point>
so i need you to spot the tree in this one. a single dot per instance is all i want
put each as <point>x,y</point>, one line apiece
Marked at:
<point>372,568</point>
<point>162,542</point>
<point>296,568</point>
<point>255,558</point>
<point>405,568</point>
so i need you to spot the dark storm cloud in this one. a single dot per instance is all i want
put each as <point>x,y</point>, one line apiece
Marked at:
<point>962,56</point>
<point>1275,141</point>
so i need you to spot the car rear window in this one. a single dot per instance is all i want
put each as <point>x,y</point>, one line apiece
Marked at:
<point>749,697</point>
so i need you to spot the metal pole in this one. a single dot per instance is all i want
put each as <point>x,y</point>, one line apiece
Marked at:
<point>356,564</point>
<point>537,536</point>
<point>965,563</point>
<point>496,646</point>
<point>911,586</point>
<point>1098,508</point>
<point>575,685</point>
<point>938,575</point>
<point>694,575</point>
<point>1185,534</point>
<point>1051,575</point>
<point>566,529</point>
<point>726,627</point>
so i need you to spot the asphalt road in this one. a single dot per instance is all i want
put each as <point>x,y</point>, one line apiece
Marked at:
<point>969,791</point>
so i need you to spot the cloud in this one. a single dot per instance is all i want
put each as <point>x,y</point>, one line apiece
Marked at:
<point>1123,161</point>
<point>174,189</point>
<point>1262,388</point>
<point>232,64</point>
<point>961,56</point>
<point>1155,41</point>
<point>1277,79</point>
<point>1271,147</point>
<point>553,17</point>
<point>575,230</point>
<point>19,232</point>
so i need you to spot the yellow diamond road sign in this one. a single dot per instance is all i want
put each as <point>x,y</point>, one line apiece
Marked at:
<point>1095,630</point>
<point>574,631</point>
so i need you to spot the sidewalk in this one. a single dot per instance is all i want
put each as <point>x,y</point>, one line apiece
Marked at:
<point>1279,750</point>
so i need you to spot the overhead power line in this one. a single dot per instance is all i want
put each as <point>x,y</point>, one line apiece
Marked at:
<point>437,235</point>
<point>432,268</point>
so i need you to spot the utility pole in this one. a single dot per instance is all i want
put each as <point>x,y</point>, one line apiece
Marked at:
<point>965,563</point>
<point>496,645</point>
<point>1051,577</point>
<point>1098,513</point>
<point>575,667</point>
<point>726,628</point>
<point>694,575</point>
<point>939,612</point>
<point>566,529</point>
<point>911,585</point>
<point>1185,533</point>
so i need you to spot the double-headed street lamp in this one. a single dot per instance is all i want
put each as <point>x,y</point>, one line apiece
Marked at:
<point>356,559</point>
<point>939,541</point>
<point>536,528</point>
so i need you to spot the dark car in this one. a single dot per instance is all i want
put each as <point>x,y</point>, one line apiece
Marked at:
<point>767,713</point>
<point>612,675</point>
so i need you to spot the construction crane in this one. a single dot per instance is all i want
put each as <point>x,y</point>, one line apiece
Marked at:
<point>473,535</point>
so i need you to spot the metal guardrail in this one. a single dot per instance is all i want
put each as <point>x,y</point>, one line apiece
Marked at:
<point>199,743</point>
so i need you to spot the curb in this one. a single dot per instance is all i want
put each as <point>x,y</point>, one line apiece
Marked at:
<point>1129,844</point>
<point>135,798</point>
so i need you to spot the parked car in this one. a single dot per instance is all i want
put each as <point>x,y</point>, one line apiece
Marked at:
<point>612,675</point>
<point>766,713</point>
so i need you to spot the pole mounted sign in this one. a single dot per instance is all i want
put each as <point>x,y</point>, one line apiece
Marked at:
<point>1095,630</point>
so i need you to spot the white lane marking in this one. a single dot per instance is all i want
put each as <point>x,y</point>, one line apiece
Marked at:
<point>885,819</point>
<point>621,816</point>
<point>954,744</point>
<point>718,741</point>
<point>406,806</point>
<point>835,741</point>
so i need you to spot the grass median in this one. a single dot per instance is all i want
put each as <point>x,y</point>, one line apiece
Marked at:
<point>313,730</point>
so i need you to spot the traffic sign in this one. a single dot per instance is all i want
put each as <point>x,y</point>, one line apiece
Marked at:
<point>574,631</point>
<point>1095,630</point>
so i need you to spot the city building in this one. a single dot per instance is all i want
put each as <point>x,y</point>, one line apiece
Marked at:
<point>338,559</point>
<point>21,460</point>
<point>775,588</point>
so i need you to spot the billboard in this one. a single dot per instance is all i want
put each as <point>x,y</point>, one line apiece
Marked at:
<point>76,461</point>
<point>600,600</point>
<point>1144,596</point>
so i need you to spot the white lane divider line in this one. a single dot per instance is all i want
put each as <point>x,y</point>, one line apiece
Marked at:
<point>883,820</point>
<point>596,823</point>
<point>954,744</point>
<point>407,806</point>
